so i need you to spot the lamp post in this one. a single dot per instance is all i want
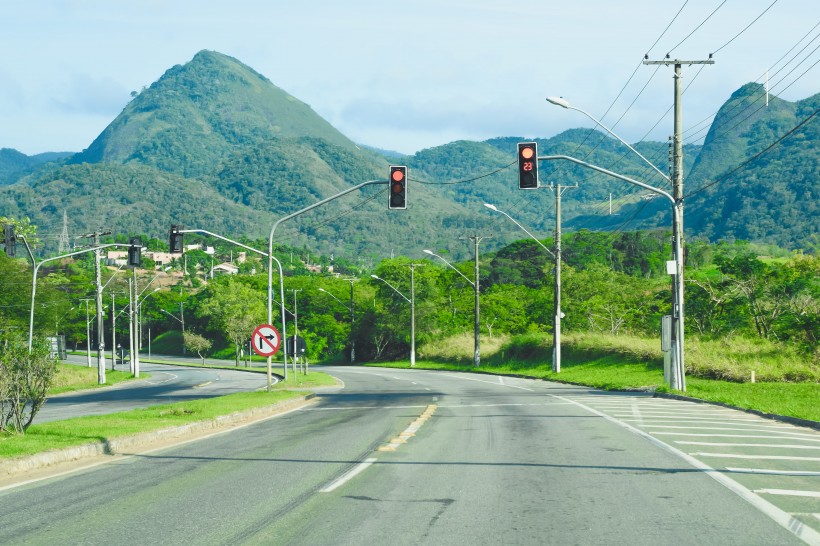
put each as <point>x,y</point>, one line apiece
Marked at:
<point>351,311</point>
<point>59,320</point>
<point>476,315</point>
<point>558,315</point>
<point>412,302</point>
<point>678,379</point>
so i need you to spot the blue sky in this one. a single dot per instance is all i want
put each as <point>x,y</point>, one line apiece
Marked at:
<point>404,75</point>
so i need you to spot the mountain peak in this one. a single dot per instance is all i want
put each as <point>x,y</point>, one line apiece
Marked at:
<point>210,104</point>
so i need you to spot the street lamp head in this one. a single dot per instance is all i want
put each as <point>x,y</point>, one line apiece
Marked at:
<point>491,207</point>
<point>430,252</point>
<point>375,277</point>
<point>559,101</point>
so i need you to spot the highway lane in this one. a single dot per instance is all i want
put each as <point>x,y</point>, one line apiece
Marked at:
<point>485,460</point>
<point>166,384</point>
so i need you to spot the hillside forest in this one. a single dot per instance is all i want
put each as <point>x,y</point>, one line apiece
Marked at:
<point>612,283</point>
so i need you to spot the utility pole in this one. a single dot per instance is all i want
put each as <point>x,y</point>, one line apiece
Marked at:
<point>678,376</point>
<point>413,267</point>
<point>352,322</point>
<point>295,329</point>
<point>100,339</point>
<point>87,332</point>
<point>477,326</point>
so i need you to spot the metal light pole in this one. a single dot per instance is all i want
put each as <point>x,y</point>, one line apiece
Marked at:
<point>556,353</point>
<point>678,379</point>
<point>476,322</point>
<point>271,258</point>
<point>412,302</point>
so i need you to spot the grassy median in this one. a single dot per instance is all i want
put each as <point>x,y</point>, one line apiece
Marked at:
<point>96,428</point>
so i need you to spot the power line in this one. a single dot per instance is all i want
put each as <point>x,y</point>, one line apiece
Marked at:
<point>756,156</point>
<point>668,53</point>
<point>746,27</point>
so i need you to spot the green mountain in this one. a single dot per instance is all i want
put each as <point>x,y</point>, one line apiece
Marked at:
<point>214,145</point>
<point>14,165</point>
<point>773,198</point>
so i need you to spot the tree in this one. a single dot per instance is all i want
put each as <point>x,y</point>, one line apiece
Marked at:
<point>25,377</point>
<point>235,309</point>
<point>196,344</point>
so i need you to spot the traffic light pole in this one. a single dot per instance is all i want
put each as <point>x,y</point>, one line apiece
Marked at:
<point>270,280</point>
<point>270,250</point>
<point>34,281</point>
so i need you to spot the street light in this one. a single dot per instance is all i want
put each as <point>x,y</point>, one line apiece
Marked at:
<point>678,377</point>
<point>352,316</point>
<point>412,302</point>
<point>59,320</point>
<point>557,315</point>
<point>476,322</point>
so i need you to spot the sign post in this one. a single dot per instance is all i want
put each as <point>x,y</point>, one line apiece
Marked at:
<point>265,342</point>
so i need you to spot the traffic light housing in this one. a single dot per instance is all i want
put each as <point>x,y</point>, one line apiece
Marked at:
<point>175,240</point>
<point>398,187</point>
<point>135,252</point>
<point>10,240</point>
<point>527,165</point>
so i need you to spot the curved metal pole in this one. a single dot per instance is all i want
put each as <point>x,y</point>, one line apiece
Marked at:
<point>679,376</point>
<point>412,302</point>
<point>271,258</point>
<point>558,101</point>
<point>451,266</point>
<point>34,281</point>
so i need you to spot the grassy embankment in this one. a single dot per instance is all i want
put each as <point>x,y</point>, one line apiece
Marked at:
<point>84,430</point>
<point>787,383</point>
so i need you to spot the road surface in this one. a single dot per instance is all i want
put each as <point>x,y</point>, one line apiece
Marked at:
<point>422,457</point>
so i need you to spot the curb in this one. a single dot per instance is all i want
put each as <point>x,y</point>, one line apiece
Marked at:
<point>126,444</point>
<point>782,418</point>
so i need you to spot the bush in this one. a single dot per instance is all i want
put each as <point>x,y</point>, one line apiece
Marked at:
<point>25,378</point>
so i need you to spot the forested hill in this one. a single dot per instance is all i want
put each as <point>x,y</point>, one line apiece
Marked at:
<point>773,198</point>
<point>213,144</point>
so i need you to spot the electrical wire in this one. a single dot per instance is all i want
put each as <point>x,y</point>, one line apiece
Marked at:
<point>754,157</point>
<point>746,27</point>
<point>695,29</point>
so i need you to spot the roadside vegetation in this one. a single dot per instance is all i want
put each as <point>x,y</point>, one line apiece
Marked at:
<point>786,383</point>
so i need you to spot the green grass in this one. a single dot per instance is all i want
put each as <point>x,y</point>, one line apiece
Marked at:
<point>71,377</point>
<point>84,430</point>
<point>628,363</point>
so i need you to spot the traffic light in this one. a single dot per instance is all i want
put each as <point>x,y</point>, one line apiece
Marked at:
<point>135,252</point>
<point>398,187</point>
<point>527,165</point>
<point>10,239</point>
<point>175,239</point>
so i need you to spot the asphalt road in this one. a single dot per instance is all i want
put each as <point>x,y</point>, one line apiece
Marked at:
<point>165,385</point>
<point>484,460</point>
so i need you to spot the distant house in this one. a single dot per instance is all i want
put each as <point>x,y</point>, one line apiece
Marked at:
<point>160,258</point>
<point>116,257</point>
<point>209,250</point>
<point>225,269</point>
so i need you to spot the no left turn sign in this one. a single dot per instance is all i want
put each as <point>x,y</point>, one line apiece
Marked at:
<point>266,340</point>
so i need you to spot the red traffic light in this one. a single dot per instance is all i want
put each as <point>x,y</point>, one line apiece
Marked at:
<point>398,187</point>
<point>527,165</point>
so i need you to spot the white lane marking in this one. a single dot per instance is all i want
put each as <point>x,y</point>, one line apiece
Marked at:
<point>772,471</point>
<point>729,444</point>
<point>355,471</point>
<point>488,382</point>
<point>689,418</point>
<point>752,428</point>
<point>783,518</point>
<point>501,379</point>
<point>658,433</point>
<point>161,382</point>
<point>768,457</point>
<point>792,492</point>
<point>363,407</point>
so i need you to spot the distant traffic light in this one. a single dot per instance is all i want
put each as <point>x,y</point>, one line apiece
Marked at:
<point>398,187</point>
<point>527,165</point>
<point>175,240</point>
<point>10,240</point>
<point>135,252</point>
